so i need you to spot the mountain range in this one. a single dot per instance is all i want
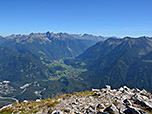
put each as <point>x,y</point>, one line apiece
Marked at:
<point>118,62</point>
<point>19,51</point>
<point>36,60</point>
<point>44,65</point>
<point>49,45</point>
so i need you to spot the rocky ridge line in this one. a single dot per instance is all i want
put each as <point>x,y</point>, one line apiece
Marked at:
<point>98,101</point>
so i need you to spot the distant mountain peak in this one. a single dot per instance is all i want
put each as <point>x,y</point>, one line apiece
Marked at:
<point>145,37</point>
<point>49,34</point>
<point>1,36</point>
<point>141,37</point>
<point>60,35</point>
<point>85,34</point>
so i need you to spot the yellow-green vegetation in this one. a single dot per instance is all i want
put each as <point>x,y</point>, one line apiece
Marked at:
<point>65,96</point>
<point>83,64</point>
<point>100,107</point>
<point>35,106</point>
<point>6,111</point>
<point>115,103</point>
<point>147,109</point>
<point>66,110</point>
<point>30,106</point>
<point>62,70</point>
<point>50,111</point>
<point>111,112</point>
<point>147,61</point>
<point>95,95</point>
<point>52,104</point>
<point>98,100</point>
<point>41,52</point>
<point>82,94</point>
<point>41,58</point>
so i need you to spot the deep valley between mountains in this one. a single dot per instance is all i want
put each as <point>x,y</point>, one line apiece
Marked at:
<point>46,65</point>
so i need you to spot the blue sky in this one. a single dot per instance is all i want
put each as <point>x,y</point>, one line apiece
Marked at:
<point>99,17</point>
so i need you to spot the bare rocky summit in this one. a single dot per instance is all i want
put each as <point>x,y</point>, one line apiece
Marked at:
<point>98,101</point>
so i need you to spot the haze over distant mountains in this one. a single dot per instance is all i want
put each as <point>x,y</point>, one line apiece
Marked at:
<point>43,65</point>
<point>55,46</point>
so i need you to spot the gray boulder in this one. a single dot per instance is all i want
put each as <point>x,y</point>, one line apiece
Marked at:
<point>127,102</point>
<point>112,109</point>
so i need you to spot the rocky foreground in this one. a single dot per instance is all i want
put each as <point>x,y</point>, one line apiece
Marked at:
<point>98,101</point>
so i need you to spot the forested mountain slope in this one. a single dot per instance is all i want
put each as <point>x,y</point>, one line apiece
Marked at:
<point>118,62</point>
